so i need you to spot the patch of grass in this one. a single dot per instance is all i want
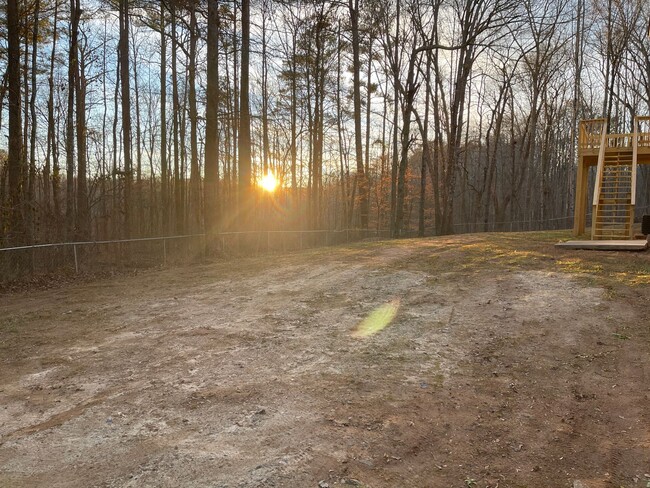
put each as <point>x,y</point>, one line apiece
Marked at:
<point>9,325</point>
<point>632,278</point>
<point>474,253</point>
<point>608,269</point>
<point>438,380</point>
<point>481,255</point>
<point>578,265</point>
<point>543,236</point>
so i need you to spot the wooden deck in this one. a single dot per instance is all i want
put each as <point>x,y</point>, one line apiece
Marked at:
<point>618,245</point>
<point>597,147</point>
<point>590,158</point>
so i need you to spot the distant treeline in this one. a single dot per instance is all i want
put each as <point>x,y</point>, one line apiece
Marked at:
<point>127,119</point>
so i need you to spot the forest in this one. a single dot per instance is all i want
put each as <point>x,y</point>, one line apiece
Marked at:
<point>124,119</point>
<point>209,266</point>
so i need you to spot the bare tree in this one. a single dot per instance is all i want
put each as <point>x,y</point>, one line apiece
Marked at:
<point>126,111</point>
<point>244,146</point>
<point>15,154</point>
<point>353,6</point>
<point>83,210</point>
<point>211,187</point>
<point>70,211</point>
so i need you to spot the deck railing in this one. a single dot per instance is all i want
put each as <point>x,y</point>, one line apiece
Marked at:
<point>619,141</point>
<point>642,125</point>
<point>589,138</point>
<point>590,133</point>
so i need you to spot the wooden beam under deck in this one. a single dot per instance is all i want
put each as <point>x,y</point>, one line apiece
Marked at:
<point>589,158</point>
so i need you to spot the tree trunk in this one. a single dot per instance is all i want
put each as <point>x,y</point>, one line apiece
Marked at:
<point>339,125</point>
<point>51,151</point>
<point>104,173</point>
<point>395,159</point>
<point>425,148</point>
<point>139,200</point>
<point>244,122</point>
<point>69,145</point>
<point>116,226</point>
<point>15,153</point>
<point>178,195</point>
<point>211,185</point>
<point>195,174</point>
<point>31,201</point>
<point>265,94</point>
<point>369,90</point>
<point>235,98</point>
<point>410,90</point>
<point>294,112</point>
<point>164,177</point>
<point>83,211</point>
<point>353,6</point>
<point>126,112</point>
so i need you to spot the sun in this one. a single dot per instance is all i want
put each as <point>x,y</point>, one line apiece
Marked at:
<point>269,182</point>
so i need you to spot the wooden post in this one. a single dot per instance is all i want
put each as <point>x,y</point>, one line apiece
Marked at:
<point>164,252</point>
<point>76,261</point>
<point>580,208</point>
<point>635,151</point>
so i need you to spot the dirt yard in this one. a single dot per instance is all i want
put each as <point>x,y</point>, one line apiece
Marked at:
<point>510,363</point>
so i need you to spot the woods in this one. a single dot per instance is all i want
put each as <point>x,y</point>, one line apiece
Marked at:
<point>427,117</point>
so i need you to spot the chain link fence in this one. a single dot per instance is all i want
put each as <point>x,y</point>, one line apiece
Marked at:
<point>98,256</point>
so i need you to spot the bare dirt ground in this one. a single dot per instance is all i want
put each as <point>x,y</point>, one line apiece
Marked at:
<point>509,364</point>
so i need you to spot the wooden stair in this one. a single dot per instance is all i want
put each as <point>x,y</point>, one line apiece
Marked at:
<point>616,157</point>
<point>614,208</point>
<point>614,194</point>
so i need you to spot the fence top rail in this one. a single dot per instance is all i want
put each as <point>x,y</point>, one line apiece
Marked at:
<point>163,238</point>
<point>87,243</point>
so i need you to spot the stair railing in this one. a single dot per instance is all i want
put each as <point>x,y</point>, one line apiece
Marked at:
<point>599,177</point>
<point>635,150</point>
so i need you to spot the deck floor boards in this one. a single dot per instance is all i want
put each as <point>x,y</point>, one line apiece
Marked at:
<point>613,245</point>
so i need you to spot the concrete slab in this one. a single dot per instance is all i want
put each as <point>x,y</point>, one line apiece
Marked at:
<point>614,245</point>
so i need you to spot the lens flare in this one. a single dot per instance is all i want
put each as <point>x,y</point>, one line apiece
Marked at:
<point>378,319</point>
<point>269,182</point>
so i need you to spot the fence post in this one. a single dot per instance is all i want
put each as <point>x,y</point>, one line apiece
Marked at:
<point>164,251</point>
<point>76,261</point>
<point>268,242</point>
<point>300,234</point>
